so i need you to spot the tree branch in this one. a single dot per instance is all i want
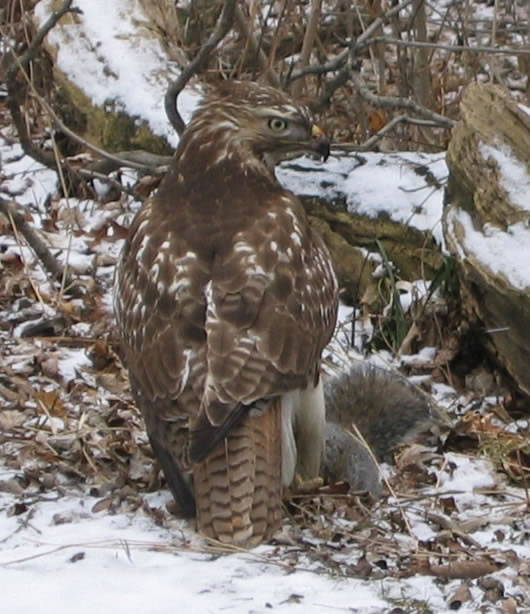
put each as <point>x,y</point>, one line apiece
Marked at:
<point>16,90</point>
<point>393,102</point>
<point>329,88</point>
<point>307,44</point>
<point>255,47</point>
<point>35,241</point>
<point>22,62</point>
<point>399,119</point>
<point>360,43</point>
<point>224,24</point>
<point>454,48</point>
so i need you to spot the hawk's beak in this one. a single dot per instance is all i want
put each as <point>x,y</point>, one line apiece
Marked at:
<point>320,142</point>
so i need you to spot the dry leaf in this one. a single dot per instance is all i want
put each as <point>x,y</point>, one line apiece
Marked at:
<point>51,402</point>
<point>459,597</point>
<point>377,120</point>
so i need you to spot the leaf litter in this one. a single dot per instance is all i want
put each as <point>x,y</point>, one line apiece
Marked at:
<point>78,482</point>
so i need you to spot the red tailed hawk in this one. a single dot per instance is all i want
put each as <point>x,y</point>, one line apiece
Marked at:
<point>225,299</point>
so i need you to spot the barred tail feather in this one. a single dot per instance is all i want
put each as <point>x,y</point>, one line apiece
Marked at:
<point>238,486</point>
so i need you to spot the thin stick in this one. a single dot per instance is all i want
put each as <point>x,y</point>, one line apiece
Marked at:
<point>394,102</point>
<point>170,102</point>
<point>309,40</point>
<point>255,48</point>
<point>34,240</point>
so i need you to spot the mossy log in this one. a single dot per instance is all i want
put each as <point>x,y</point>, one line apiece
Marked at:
<point>106,125</point>
<point>486,222</point>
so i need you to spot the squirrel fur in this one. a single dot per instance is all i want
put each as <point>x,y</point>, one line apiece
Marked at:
<point>386,409</point>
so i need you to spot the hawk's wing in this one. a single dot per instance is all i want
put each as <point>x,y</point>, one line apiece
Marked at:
<point>208,334</point>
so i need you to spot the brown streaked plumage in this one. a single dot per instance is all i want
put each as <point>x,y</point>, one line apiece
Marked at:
<point>225,298</point>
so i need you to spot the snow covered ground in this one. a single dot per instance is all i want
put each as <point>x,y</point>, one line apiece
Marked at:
<point>60,554</point>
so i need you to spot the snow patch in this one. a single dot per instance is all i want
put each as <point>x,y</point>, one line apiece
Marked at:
<point>500,251</point>
<point>514,177</point>
<point>111,58</point>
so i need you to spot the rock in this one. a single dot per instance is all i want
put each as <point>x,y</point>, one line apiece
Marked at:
<point>486,222</point>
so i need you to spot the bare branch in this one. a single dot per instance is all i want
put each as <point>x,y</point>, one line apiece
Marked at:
<point>338,61</point>
<point>454,48</point>
<point>91,174</point>
<point>309,39</point>
<point>329,88</point>
<point>23,61</point>
<point>319,69</point>
<point>380,21</point>
<point>141,161</point>
<point>37,244</point>
<point>393,102</point>
<point>137,158</point>
<point>16,89</point>
<point>255,47</point>
<point>366,40</point>
<point>224,24</point>
<point>374,139</point>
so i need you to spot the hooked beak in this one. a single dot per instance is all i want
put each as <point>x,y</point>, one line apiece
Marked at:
<point>320,142</point>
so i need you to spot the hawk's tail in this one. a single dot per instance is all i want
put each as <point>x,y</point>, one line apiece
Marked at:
<point>238,486</point>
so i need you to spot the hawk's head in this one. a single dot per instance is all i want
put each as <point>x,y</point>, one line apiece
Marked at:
<point>254,121</point>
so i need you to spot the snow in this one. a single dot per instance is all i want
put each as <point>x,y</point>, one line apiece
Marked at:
<point>500,251</point>
<point>113,61</point>
<point>467,476</point>
<point>125,564</point>
<point>31,181</point>
<point>70,362</point>
<point>514,177</point>
<point>426,354</point>
<point>405,187</point>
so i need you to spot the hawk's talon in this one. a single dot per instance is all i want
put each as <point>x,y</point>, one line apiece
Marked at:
<point>302,486</point>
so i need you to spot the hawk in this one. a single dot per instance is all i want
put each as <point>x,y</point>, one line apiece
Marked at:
<point>225,298</point>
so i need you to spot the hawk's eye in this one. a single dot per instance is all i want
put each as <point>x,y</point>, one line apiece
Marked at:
<point>277,124</point>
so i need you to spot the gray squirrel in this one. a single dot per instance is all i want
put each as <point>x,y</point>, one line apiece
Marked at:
<point>387,410</point>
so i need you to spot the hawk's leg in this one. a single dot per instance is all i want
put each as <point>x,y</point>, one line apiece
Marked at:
<point>303,433</point>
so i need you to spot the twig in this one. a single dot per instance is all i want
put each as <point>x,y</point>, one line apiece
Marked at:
<point>307,45</point>
<point>15,90</point>
<point>144,160</point>
<point>366,39</point>
<point>66,273</point>
<point>399,119</point>
<point>131,158</point>
<point>338,61</point>
<point>137,159</point>
<point>23,61</point>
<point>34,240</point>
<point>91,174</point>
<point>393,102</point>
<point>255,47</point>
<point>170,102</point>
<point>455,48</point>
<point>329,88</point>
<point>276,35</point>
